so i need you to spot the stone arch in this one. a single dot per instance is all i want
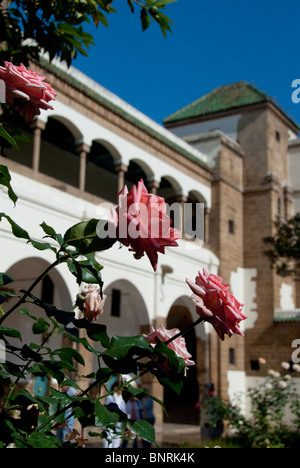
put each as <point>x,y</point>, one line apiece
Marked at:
<point>194,216</point>
<point>22,153</point>
<point>101,163</point>
<point>182,410</point>
<point>170,188</point>
<point>137,170</point>
<point>125,311</point>
<point>111,148</point>
<point>58,156</point>
<point>73,129</point>
<point>134,316</point>
<point>24,272</point>
<point>197,196</point>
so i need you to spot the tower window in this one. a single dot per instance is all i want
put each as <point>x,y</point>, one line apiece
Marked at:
<point>231,226</point>
<point>47,290</point>
<point>278,136</point>
<point>254,365</point>
<point>232,356</point>
<point>116,303</point>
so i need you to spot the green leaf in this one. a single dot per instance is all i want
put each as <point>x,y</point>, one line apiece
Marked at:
<point>55,369</point>
<point>84,343</point>
<point>143,429</point>
<point>42,245</point>
<point>40,327</point>
<point>50,231</point>
<point>130,4</point>
<point>38,440</point>
<point>13,369</point>
<point>169,381</point>
<point>17,230</point>
<point>71,383</point>
<point>83,236</point>
<point>10,332</point>
<point>86,271</point>
<point>121,352</point>
<point>6,140</point>
<point>103,375</point>
<point>103,417</point>
<point>140,393</point>
<point>163,3</point>
<point>5,279</point>
<point>24,398</point>
<point>95,331</point>
<point>21,233</point>
<point>85,413</point>
<point>145,19</point>
<point>28,353</point>
<point>68,354</point>
<point>8,293</point>
<point>121,347</point>
<point>29,314</point>
<point>4,294</point>
<point>5,180</point>
<point>174,378</point>
<point>176,363</point>
<point>61,316</point>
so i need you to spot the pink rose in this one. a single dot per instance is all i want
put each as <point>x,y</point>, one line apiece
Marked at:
<point>93,305</point>
<point>28,87</point>
<point>178,345</point>
<point>141,223</point>
<point>216,304</point>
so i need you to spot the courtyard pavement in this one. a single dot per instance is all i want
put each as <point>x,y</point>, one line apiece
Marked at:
<point>167,436</point>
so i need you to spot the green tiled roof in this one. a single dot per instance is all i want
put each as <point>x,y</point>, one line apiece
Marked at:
<point>287,316</point>
<point>221,99</point>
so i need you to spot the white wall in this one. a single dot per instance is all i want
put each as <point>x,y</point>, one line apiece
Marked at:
<point>124,151</point>
<point>243,287</point>
<point>228,125</point>
<point>39,203</point>
<point>294,172</point>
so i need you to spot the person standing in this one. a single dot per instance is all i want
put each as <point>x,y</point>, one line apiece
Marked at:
<point>68,425</point>
<point>114,440</point>
<point>134,411</point>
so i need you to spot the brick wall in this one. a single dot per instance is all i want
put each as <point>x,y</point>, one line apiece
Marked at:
<point>226,240</point>
<point>263,135</point>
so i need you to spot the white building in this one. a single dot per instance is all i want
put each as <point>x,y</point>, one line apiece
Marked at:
<point>78,158</point>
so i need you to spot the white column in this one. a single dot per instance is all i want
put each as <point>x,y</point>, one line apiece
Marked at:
<point>38,126</point>
<point>121,170</point>
<point>83,149</point>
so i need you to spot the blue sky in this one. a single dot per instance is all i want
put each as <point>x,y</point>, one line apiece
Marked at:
<point>213,44</point>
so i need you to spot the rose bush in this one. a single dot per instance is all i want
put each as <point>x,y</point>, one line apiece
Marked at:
<point>93,302</point>
<point>216,304</point>
<point>26,90</point>
<point>177,344</point>
<point>140,222</point>
<point>273,420</point>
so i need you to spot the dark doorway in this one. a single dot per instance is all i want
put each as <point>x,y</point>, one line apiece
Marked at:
<point>182,409</point>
